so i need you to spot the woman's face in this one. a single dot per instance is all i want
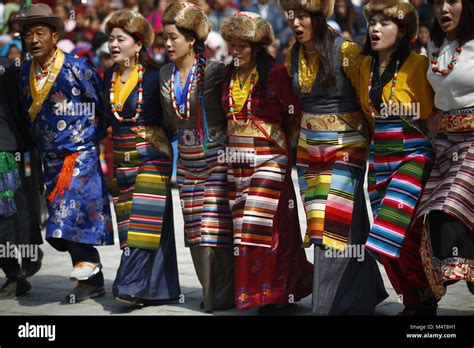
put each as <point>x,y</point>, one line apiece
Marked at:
<point>176,44</point>
<point>448,14</point>
<point>14,53</point>
<point>383,33</point>
<point>423,35</point>
<point>242,53</point>
<point>341,8</point>
<point>122,46</point>
<point>300,23</point>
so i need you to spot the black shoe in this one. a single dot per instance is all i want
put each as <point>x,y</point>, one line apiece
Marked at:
<point>83,291</point>
<point>423,310</point>
<point>470,286</point>
<point>30,268</point>
<point>14,287</point>
<point>131,300</point>
<point>267,309</point>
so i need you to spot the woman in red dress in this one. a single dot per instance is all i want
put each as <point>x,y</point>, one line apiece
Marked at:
<point>271,267</point>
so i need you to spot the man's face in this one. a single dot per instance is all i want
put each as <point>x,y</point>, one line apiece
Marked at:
<point>40,40</point>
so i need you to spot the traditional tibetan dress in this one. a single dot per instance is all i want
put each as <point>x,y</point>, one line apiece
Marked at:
<point>447,206</point>
<point>271,265</point>
<point>64,110</point>
<point>331,161</point>
<point>400,160</point>
<point>202,179</point>
<point>142,191</point>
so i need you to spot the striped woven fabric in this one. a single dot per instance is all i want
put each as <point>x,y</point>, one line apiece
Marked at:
<point>450,187</point>
<point>203,189</point>
<point>256,182</point>
<point>400,161</point>
<point>142,175</point>
<point>330,167</point>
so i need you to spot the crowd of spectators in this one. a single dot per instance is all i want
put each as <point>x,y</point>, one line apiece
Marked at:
<point>85,20</point>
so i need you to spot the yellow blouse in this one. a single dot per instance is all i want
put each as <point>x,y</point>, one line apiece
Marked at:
<point>307,71</point>
<point>412,85</point>
<point>240,95</point>
<point>121,94</point>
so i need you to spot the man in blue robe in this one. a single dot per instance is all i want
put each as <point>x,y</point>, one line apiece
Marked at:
<point>60,96</point>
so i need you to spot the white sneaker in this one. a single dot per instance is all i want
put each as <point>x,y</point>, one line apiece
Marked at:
<point>85,270</point>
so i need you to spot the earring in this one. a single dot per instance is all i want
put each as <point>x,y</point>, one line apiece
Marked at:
<point>137,56</point>
<point>190,49</point>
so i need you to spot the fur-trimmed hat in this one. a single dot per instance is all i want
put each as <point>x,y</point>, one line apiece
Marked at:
<point>188,16</point>
<point>247,26</point>
<point>326,7</point>
<point>133,23</point>
<point>401,11</point>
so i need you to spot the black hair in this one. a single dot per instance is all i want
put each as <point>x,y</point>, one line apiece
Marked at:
<point>264,64</point>
<point>466,28</point>
<point>143,56</point>
<point>324,41</point>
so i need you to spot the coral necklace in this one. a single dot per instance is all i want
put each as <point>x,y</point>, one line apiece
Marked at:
<point>188,94</point>
<point>249,115</point>
<point>392,90</point>
<point>444,72</point>
<point>140,96</point>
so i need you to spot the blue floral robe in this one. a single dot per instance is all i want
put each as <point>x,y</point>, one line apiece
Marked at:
<point>67,122</point>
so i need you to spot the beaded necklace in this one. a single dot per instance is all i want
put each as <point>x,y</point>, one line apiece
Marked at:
<point>140,96</point>
<point>249,115</point>
<point>444,72</point>
<point>188,94</point>
<point>392,90</point>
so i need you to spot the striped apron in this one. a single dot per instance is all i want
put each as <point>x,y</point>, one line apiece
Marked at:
<point>331,160</point>
<point>270,264</point>
<point>142,174</point>
<point>450,189</point>
<point>203,189</point>
<point>400,161</point>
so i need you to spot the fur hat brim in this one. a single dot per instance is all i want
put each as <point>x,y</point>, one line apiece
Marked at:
<point>326,7</point>
<point>398,10</point>
<point>188,16</point>
<point>247,26</point>
<point>133,23</point>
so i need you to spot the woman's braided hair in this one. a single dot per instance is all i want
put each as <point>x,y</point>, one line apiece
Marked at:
<point>199,48</point>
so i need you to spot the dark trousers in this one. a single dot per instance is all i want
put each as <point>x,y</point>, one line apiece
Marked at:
<point>11,267</point>
<point>406,273</point>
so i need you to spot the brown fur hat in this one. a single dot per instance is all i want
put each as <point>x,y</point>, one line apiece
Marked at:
<point>399,10</point>
<point>326,7</point>
<point>247,26</point>
<point>133,23</point>
<point>187,16</point>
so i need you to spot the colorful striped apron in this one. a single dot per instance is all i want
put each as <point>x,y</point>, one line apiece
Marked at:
<point>203,189</point>
<point>450,189</point>
<point>331,163</point>
<point>400,161</point>
<point>142,177</point>
<point>270,264</point>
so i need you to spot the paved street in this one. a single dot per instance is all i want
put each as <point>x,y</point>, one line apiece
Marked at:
<point>51,284</point>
